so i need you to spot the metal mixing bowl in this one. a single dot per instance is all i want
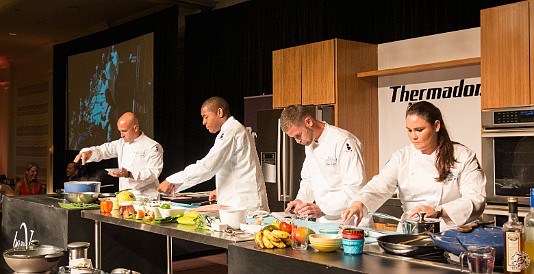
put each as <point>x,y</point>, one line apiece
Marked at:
<point>81,197</point>
<point>34,259</point>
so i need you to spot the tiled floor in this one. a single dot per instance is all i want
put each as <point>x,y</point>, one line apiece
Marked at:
<point>213,264</point>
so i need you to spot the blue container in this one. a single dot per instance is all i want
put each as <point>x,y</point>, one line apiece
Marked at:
<point>352,247</point>
<point>82,186</point>
<point>328,231</point>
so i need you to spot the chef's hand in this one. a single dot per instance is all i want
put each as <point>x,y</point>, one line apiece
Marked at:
<point>166,187</point>
<point>213,196</point>
<point>84,156</point>
<point>355,209</point>
<point>312,210</point>
<point>430,212</point>
<point>122,173</point>
<point>291,205</point>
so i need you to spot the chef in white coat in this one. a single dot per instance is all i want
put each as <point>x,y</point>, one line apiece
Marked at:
<point>233,161</point>
<point>333,171</point>
<point>139,157</point>
<point>433,175</point>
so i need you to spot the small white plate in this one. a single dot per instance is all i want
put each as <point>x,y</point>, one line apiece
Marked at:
<point>116,170</point>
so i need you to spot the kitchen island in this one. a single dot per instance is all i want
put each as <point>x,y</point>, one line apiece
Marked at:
<point>246,258</point>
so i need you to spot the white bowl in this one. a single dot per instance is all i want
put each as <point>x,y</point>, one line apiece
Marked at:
<point>171,212</point>
<point>138,205</point>
<point>251,228</point>
<point>233,217</point>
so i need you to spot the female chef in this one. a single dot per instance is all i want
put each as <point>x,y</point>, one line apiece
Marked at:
<point>433,175</point>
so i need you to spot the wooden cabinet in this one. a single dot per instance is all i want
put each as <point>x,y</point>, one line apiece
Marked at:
<point>506,55</point>
<point>304,75</point>
<point>324,73</point>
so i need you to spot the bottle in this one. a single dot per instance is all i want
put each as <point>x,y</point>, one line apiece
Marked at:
<point>529,233</point>
<point>513,241</point>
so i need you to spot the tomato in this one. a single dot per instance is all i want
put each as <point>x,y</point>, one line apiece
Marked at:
<point>140,214</point>
<point>285,227</point>
<point>106,206</point>
<point>300,234</point>
<point>149,215</point>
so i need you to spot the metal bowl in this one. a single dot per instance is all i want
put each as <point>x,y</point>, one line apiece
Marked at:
<point>81,197</point>
<point>34,259</point>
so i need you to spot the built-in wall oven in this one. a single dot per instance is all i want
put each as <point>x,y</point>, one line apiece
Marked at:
<point>508,153</point>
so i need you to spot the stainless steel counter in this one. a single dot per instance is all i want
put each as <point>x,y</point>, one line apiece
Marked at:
<point>170,230</point>
<point>245,258</point>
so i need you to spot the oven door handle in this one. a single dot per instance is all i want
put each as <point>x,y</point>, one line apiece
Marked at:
<point>509,132</point>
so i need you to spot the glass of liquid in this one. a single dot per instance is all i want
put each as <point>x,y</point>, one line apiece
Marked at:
<point>299,232</point>
<point>480,259</point>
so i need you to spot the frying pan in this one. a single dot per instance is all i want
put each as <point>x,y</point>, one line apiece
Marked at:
<point>414,247</point>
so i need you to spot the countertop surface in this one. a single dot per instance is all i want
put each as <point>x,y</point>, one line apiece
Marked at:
<point>180,231</point>
<point>374,260</point>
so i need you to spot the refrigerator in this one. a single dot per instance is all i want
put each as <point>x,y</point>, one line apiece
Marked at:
<point>281,157</point>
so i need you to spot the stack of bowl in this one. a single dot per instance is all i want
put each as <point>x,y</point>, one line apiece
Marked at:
<point>325,242</point>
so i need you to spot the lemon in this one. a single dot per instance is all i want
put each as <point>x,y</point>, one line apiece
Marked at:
<point>124,196</point>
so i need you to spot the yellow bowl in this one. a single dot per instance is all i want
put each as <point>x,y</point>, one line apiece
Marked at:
<point>326,248</point>
<point>325,242</point>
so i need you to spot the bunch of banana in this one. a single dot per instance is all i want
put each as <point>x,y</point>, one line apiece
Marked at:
<point>268,238</point>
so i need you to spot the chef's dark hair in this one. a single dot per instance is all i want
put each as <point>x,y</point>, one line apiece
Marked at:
<point>217,102</point>
<point>293,116</point>
<point>445,152</point>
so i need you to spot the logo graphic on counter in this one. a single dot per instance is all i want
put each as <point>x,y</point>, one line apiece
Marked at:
<point>18,242</point>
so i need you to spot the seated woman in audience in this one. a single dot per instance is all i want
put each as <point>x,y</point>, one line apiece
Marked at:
<point>28,184</point>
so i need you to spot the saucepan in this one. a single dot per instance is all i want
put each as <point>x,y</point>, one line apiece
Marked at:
<point>35,258</point>
<point>408,245</point>
<point>82,186</point>
<point>421,225</point>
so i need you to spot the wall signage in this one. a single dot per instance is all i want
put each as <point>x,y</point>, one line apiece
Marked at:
<point>434,92</point>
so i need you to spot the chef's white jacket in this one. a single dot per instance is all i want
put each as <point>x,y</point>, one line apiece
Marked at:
<point>462,194</point>
<point>143,157</point>
<point>234,162</point>
<point>333,172</point>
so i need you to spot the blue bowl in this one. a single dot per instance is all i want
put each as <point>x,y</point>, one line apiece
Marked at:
<point>328,231</point>
<point>82,186</point>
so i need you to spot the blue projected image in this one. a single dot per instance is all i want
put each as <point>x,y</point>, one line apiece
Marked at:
<point>105,83</point>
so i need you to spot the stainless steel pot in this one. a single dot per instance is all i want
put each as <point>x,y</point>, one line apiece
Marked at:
<point>420,226</point>
<point>35,258</point>
<point>81,197</point>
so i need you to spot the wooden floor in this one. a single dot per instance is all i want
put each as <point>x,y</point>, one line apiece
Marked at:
<point>213,264</point>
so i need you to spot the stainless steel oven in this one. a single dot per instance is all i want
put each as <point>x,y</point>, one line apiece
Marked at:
<point>508,153</point>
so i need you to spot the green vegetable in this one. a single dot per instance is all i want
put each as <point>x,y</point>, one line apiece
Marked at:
<point>165,206</point>
<point>164,220</point>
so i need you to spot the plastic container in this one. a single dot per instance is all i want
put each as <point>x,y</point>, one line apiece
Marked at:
<point>352,247</point>
<point>353,241</point>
